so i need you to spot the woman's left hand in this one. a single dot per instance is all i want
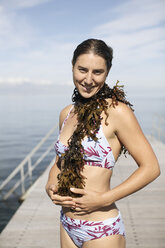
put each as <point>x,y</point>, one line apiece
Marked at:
<point>89,202</point>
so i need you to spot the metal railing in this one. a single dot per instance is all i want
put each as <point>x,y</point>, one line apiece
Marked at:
<point>158,127</point>
<point>20,169</point>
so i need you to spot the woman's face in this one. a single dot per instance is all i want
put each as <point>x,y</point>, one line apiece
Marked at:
<point>89,74</point>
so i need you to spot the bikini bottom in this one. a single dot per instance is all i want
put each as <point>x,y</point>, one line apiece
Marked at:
<point>81,231</point>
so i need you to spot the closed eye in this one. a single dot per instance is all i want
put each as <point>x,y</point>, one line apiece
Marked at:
<point>82,69</point>
<point>98,72</point>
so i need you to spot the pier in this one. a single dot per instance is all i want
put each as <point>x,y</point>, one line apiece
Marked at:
<point>36,222</point>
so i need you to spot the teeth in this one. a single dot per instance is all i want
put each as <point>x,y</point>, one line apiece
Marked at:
<point>88,88</point>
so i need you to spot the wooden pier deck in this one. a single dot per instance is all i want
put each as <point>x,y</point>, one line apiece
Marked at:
<point>36,223</point>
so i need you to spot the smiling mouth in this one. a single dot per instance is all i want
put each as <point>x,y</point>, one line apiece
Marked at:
<point>88,88</point>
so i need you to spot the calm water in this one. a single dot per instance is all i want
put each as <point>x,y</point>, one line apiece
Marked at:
<point>25,119</point>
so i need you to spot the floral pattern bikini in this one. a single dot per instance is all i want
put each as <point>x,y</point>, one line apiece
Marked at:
<point>97,153</point>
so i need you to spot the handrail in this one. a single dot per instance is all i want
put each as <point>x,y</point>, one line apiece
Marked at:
<point>158,123</point>
<point>20,167</point>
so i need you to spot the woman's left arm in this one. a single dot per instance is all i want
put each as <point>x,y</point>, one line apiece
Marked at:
<point>131,136</point>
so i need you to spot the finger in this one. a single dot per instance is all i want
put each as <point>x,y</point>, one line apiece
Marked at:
<point>79,209</point>
<point>76,210</point>
<point>61,198</point>
<point>78,201</point>
<point>51,194</point>
<point>65,204</point>
<point>53,188</point>
<point>55,197</point>
<point>78,191</point>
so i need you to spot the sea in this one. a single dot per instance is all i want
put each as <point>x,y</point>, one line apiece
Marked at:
<point>27,115</point>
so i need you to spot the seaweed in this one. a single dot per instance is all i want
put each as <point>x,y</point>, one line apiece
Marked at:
<point>88,113</point>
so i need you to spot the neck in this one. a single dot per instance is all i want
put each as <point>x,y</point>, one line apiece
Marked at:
<point>78,98</point>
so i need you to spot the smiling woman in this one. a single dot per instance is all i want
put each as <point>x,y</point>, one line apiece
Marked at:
<point>89,74</point>
<point>94,130</point>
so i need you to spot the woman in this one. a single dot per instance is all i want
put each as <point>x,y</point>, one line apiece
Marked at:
<point>94,130</point>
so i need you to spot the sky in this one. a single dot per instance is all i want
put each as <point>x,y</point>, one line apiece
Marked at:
<point>38,37</point>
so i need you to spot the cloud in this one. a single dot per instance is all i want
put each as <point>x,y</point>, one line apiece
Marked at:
<point>15,31</point>
<point>14,4</point>
<point>137,29</point>
<point>5,22</point>
<point>21,81</point>
<point>134,15</point>
<point>50,63</point>
<point>142,45</point>
<point>137,35</point>
<point>32,53</point>
<point>19,39</point>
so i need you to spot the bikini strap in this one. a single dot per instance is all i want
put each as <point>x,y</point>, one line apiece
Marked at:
<point>66,118</point>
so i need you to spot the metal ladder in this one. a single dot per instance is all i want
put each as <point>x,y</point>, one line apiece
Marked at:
<point>20,169</point>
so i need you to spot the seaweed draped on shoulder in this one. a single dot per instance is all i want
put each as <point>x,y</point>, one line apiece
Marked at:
<point>88,112</point>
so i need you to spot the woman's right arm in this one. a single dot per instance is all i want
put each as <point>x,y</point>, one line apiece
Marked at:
<point>52,184</point>
<point>54,171</point>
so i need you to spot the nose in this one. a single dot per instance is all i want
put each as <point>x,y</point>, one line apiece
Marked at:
<point>89,78</point>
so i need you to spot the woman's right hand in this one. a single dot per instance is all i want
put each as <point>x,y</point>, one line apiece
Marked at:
<point>64,201</point>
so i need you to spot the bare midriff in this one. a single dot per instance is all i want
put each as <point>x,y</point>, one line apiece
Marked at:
<point>98,180</point>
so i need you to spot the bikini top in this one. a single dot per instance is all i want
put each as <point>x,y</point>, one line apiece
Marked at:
<point>96,153</point>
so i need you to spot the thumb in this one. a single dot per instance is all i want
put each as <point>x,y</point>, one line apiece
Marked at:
<point>53,188</point>
<point>78,191</point>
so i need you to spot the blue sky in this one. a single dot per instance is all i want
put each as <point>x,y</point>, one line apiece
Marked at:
<point>37,39</point>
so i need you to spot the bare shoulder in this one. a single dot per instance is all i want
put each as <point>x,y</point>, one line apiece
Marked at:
<point>120,110</point>
<point>64,113</point>
<point>122,116</point>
